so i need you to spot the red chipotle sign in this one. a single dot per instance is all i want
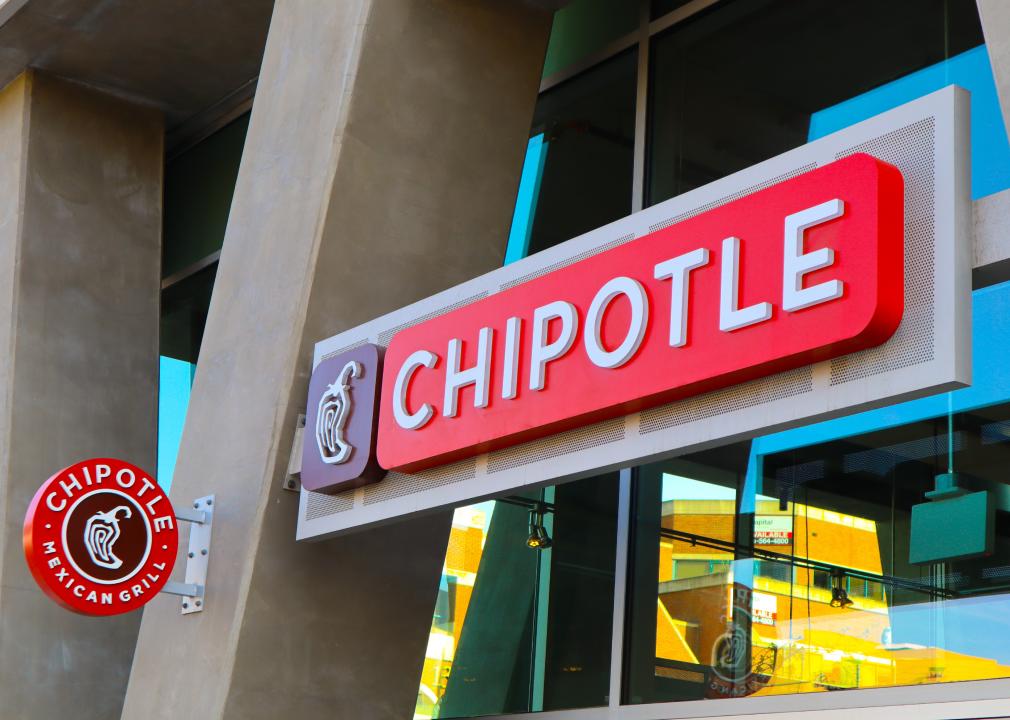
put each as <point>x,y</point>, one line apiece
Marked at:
<point>803,271</point>
<point>100,537</point>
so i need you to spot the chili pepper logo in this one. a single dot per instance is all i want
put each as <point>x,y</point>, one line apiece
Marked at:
<point>101,532</point>
<point>334,408</point>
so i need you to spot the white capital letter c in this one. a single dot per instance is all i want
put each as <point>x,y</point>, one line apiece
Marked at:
<point>52,506</point>
<point>404,418</point>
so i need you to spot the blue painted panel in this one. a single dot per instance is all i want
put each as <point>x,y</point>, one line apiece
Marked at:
<point>526,200</point>
<point>173,399</point>
<point>990,151</point>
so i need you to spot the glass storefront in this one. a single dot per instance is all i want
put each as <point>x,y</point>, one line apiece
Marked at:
<point>826,567</point>
<point>870,551</point>
<point>867,552</point>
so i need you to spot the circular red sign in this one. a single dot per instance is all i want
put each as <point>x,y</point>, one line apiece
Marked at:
<point>100,537</point>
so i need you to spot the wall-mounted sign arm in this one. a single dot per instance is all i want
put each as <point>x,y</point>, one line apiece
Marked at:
<point>173,587</point>
<point>192,589</point>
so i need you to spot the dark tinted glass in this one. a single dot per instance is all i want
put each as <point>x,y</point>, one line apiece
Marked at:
<point>738,83</point>
<point>589,127</point>
<point>199,184</point>
<point>584,27</point>
<point>659,8</point>
<point>184,308</point>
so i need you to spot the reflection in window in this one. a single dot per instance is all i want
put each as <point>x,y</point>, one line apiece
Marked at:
<point>518,629</point>
<point>588,127</point>
<point>685,564</point>
<point>584,27</point>
<point>745,81</point>
<point>856,563</point>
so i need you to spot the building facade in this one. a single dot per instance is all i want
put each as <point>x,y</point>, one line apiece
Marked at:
<point>204,201</point>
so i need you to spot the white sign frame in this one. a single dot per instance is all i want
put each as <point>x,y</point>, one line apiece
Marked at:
<point>931,352</point>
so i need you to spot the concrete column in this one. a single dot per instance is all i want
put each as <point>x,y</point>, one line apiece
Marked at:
<point>992,242</point>
<point>381,165</point>
<point>995,17</point>
<point>80,258</point>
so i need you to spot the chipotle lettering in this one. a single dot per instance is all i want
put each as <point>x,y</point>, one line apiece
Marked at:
<point>805,270</point>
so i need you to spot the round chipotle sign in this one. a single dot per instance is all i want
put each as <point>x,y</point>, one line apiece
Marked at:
<point>100,537</point>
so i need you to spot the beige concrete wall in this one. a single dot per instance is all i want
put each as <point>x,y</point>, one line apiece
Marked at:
<point>13,142</point>
<point>995,17</point>
<point>381,165</point>
<point>80,255</point>
<point>992,214</point>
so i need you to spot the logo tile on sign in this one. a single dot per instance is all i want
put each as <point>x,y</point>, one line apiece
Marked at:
<point>338,452</point>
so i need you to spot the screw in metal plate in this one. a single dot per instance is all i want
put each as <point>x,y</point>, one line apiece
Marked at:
<point>196,505</point>
<point>204,551</point>
<point>210,502</point>
<point>199,603</point>
<point>191,554</point>
<point>185,606</point>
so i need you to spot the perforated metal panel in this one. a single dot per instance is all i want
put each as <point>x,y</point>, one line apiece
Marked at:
<point>931,351</point>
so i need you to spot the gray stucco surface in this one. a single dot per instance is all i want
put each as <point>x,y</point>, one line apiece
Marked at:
<point>179,56</point>
<point>80,249</point>
<point>381,165</point>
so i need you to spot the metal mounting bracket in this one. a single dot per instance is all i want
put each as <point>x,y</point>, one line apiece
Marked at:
<point>293,477</point>
<point>192,590</point>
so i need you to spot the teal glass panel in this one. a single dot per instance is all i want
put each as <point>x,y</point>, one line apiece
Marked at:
<point>526,199</point>
<point>176,380</point>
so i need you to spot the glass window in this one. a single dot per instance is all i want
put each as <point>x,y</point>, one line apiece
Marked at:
<point>897,584</point>
<point>832,569</point>
<point>199,184</point>
<point>685,564</point>
<point>584,27</point>
<point>524,615</point>
<point>584,132</point>
<point>745,81</point>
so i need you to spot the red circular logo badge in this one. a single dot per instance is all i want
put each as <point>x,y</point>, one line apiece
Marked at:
<point>100,537</point>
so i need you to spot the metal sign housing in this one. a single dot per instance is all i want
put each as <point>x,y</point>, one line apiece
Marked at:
<point>927,140</point>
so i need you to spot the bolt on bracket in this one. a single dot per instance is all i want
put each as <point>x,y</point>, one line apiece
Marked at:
<point>192,590</point>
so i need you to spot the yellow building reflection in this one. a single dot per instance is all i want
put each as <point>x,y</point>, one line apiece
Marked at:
<point>466,544</point>
<point>799,642</point>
